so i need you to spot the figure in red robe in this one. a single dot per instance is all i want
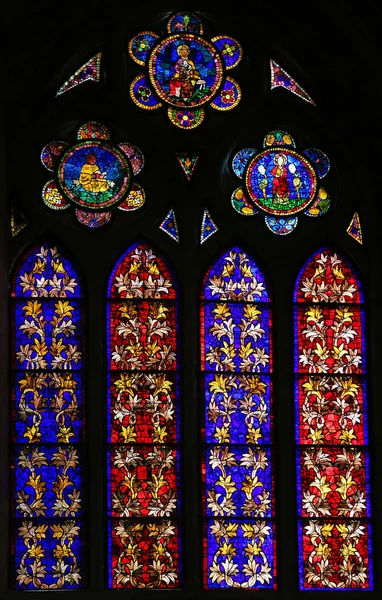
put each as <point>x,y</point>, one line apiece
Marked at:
<point>280,186</point>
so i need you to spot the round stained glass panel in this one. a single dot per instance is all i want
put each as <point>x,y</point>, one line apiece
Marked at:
<point>94,175</point>
<point>281,181</point>
<point>185,70</point>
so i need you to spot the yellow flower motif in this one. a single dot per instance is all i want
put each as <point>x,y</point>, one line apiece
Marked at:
<point>315,435</point>
<point>339,351</point>
<point>40,531</point>
<point>35,551</point>
<point>39,266</point>
<point>134,266</point>
<point>347,435</point>
<point>327,529</point>
<point>159,434</point>
<point>128,310</point>
<point>64,434</point>
<point>123,384</point>
<point>231,529</point>
<point>228,349</point>
<point>222,434</point>
<point>345,484</point>
<point>348,550</point>
<point>58,266</point>
<point>227,484</point>
<point>153,268</point>
<point>246,351</point>
<point>218,384</point>
<point>227,549</point>
<point>342,530</point>
<point>61,551</point>
<point>253,549</point>
<point>128,434</point>
<point>153,529</point>
<point>314,313</point>
<point>251,312</point>
<point>228,269</point>
<point>221,310</point>
<point>32,433</point>
<point>344,314</point>
<point>32,308</point>
<point>248,530</point>
<point>63,309</point>
<point>253,435</point>
<point>323,550</point>
<point>40,347</point>
<point>322,485</point>
<point>57,531</point>
<point>158,550</point>
<point>321,351</point>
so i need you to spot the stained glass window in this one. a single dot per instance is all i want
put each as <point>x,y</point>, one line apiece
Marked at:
<point>143,423</point>
<point>47,533</point>
<point>332,461</point>
<point>237,464</point>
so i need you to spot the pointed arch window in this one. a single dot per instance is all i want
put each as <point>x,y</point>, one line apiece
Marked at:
<point>237,463</point>
<point>332,462</point>
<point>47,531</point>
<point>143,423</point>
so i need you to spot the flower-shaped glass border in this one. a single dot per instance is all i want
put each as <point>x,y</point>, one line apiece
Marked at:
<point>280,183</point>
<point>92,176</point>
<point>185,71</point>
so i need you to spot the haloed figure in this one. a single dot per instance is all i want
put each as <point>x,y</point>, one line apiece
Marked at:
<point>91,177</point>
<point>186,77</point>
<point>280,186</point>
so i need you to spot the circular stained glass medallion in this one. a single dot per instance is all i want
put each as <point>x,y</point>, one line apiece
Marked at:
<point>280,181</point>
<point>185,70</point>
<point>94,175</point>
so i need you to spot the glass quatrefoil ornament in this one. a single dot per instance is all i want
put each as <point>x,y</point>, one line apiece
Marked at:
<point>280,182</point>
<point>93,177</point>
<point>184,71</point>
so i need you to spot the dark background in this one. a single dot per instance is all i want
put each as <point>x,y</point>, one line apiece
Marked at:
<point>332,49</point>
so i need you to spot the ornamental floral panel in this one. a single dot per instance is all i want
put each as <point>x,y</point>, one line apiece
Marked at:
<point>47,507</point>
<point>143,424</point>
<point>332,459</point>
<point>237,466</point>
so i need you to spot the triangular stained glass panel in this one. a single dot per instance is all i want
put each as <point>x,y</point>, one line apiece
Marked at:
<point>354,229</point>
<point>18,221</point>
<point>187,162</point>
<point>279,77</point>
<point>169,225</point>
<point>208,227</point>
<point>90,71</point>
